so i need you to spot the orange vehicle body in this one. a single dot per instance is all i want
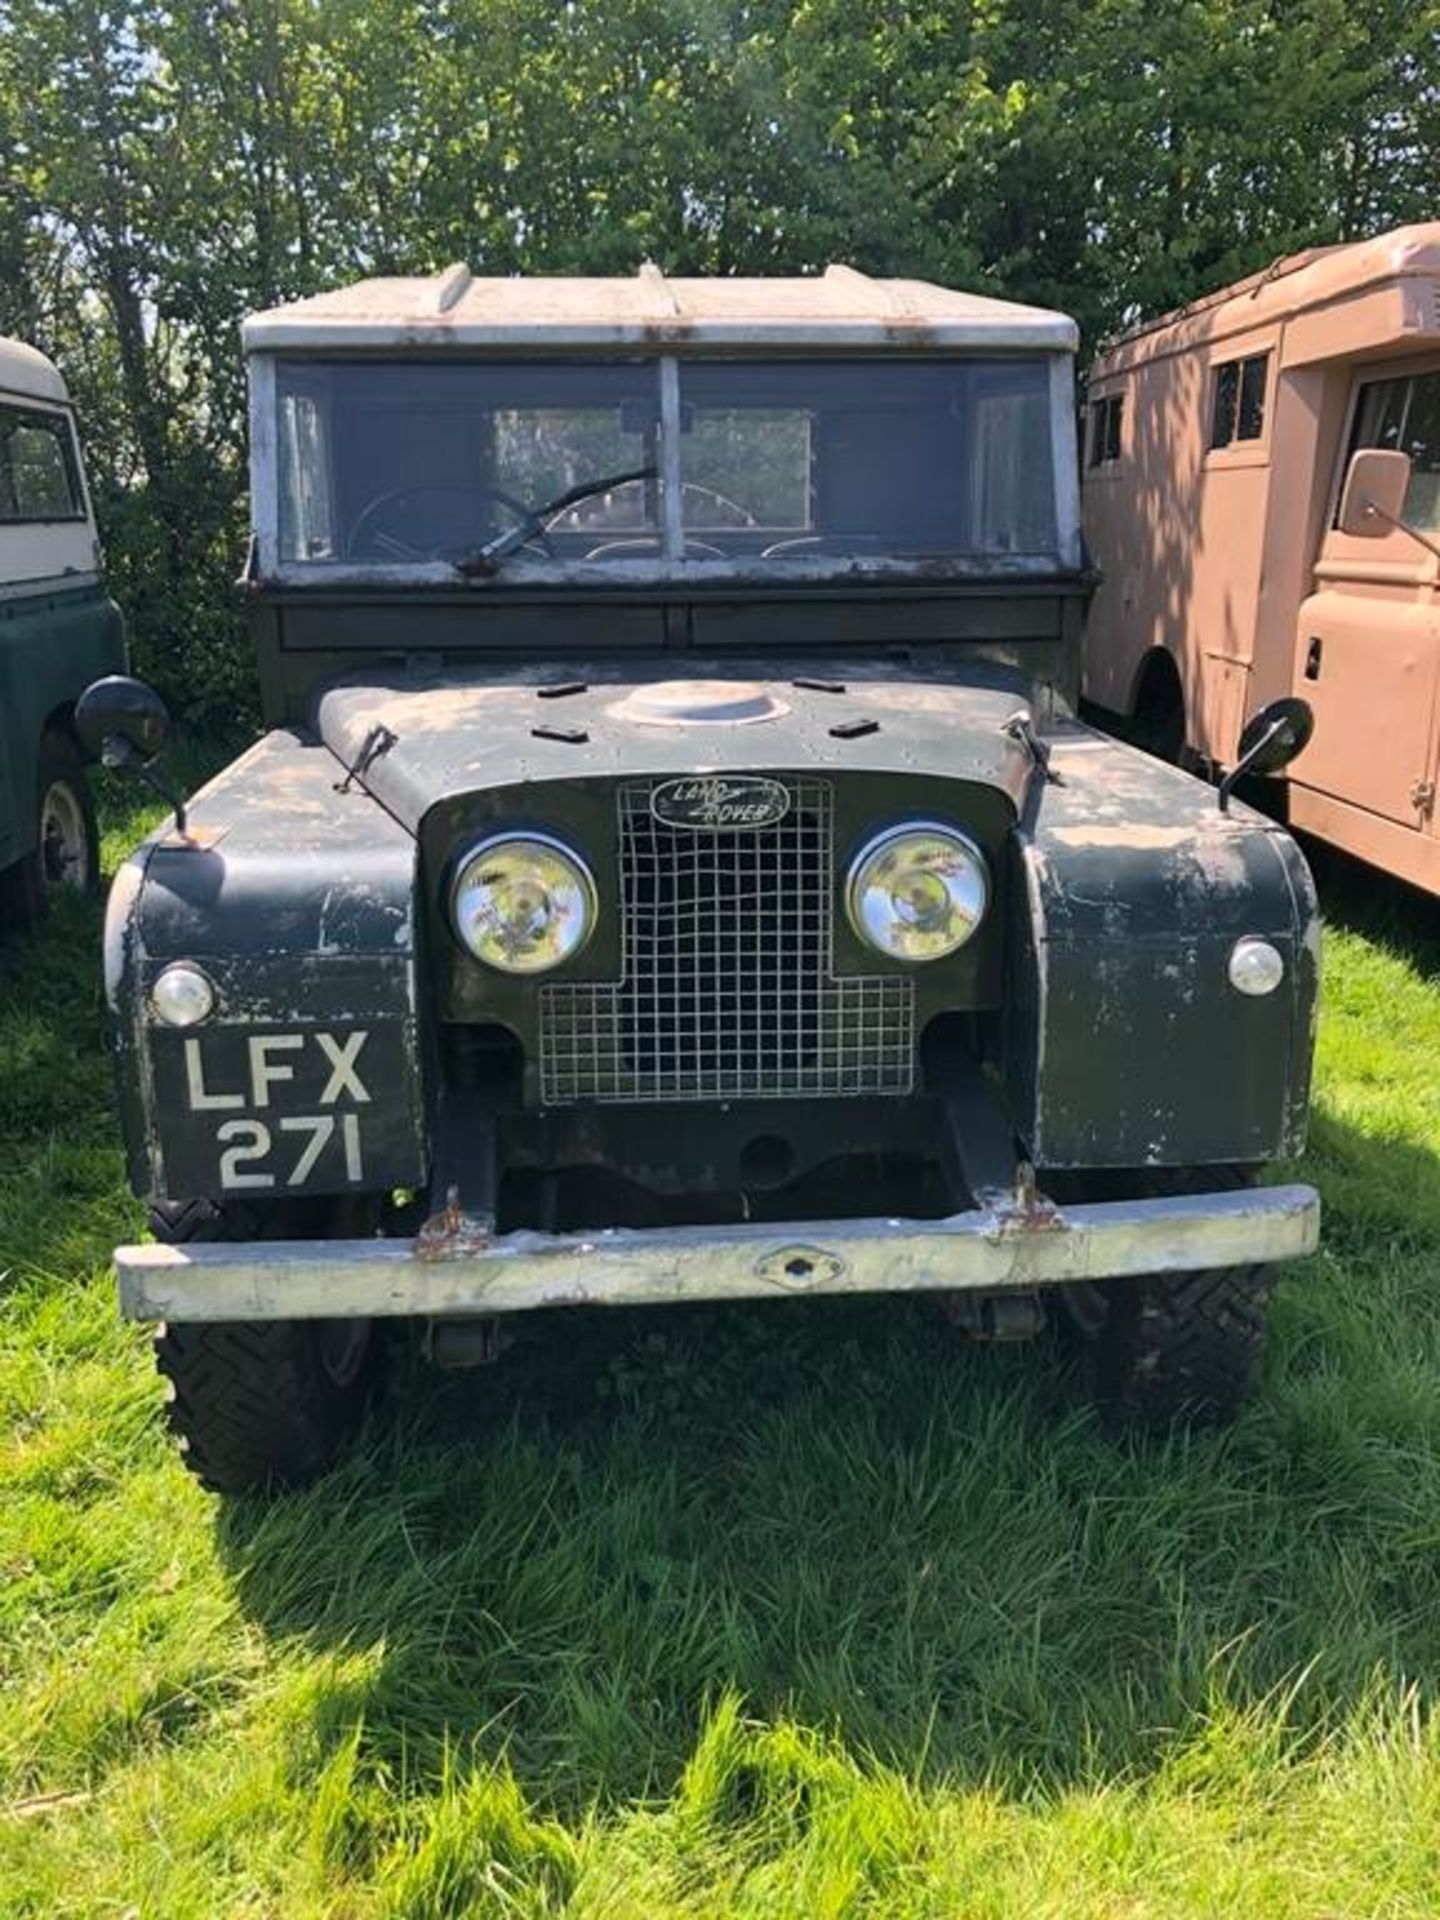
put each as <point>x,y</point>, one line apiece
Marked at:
<point>1216,447</point>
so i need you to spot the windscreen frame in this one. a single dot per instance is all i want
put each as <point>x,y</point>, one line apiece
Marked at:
<point>670,564</point>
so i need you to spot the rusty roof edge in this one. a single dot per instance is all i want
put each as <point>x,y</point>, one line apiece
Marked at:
<point>841,306</point>
<point>1044,332</point>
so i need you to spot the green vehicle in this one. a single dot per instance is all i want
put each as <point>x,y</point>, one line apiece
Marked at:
<point>58,630</point>
<point>674,869</point>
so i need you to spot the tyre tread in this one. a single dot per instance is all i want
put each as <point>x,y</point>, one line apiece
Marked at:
<point>250,1401</point>
<point>1182,1347</point>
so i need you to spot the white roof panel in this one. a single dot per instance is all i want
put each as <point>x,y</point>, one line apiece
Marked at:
<point>25,371</point>
<point>840,308</point>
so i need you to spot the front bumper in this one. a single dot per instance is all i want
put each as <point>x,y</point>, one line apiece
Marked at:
<point>1012,1246</point>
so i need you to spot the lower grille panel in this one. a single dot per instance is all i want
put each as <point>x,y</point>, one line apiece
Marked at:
<point>726,989</point>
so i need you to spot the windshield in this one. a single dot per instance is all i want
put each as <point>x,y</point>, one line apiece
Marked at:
<point>394,464</point>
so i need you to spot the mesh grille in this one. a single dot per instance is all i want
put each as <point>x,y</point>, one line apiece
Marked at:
<point>726,989</point>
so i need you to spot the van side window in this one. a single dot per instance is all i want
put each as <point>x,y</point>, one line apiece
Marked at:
<point>39,474</point>
<point>1237,400</point>
<point>1404,416</point>
<point>1105,422</point>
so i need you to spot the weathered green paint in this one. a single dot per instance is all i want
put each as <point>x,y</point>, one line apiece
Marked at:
<point>1090,1018</point>
<point>53,643</point>
<point>298,905</point>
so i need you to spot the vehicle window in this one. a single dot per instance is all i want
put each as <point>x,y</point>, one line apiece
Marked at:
<point>392,463</point>
<point>762,454</point>
<point>39,474</point>
<point>1106,419</point>
<point>1404,416</point>
<point>1237,402</point>
<point>389,464</point>
<point>305,479</point>
<point>795,460</point>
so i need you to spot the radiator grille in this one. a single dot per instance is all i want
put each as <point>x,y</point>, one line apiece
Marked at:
<point>726,989</point>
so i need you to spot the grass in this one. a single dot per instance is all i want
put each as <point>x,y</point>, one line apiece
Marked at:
<point>800,1609</point>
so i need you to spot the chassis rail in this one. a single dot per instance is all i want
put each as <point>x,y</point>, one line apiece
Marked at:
<point>990,1248</point>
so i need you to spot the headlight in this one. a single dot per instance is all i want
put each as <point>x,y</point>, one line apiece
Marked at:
<point>182,996</point>
<point>523,904</point>
<point>918,892</point>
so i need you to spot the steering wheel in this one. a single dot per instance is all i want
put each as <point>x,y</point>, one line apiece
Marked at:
<point>371,539</point>
<point>722,500</point>
<point>821,544</point>
<point>649,543</point>
<point>742,517</point>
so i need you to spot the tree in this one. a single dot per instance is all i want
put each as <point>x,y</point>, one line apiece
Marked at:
<point>166,168</point>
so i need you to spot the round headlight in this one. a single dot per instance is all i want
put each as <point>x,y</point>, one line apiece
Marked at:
<point>918,892</point>
<point>182,996</point>
<point>523,904</point>
<point>1255,966</point>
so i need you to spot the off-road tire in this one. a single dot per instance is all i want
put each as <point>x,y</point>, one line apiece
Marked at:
<point>260,1404</point>
<point>254,1404</point>
<point>66,856</point>
<point>1172,1348</point>
<point>1179,1347</point>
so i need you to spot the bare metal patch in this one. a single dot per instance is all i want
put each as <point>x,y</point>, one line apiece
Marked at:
<point>1150,839</point>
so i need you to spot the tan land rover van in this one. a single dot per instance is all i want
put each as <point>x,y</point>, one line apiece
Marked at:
<point>1262,496</point>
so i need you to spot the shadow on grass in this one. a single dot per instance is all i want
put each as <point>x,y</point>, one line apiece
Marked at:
<point>836,1510</point>
<point>844,1514</point>
<point>1363,900</point>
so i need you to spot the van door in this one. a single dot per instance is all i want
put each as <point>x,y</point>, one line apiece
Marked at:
<point>1368,642</point>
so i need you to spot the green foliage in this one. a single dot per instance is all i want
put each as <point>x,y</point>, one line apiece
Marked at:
<point>165,169</point>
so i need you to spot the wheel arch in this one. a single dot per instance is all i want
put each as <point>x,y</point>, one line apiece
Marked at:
<point>59,724</point>
<point>1158,719</point>
<point>1156,681</point>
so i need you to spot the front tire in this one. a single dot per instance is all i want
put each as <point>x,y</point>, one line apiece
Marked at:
<point>260,1404</point>
<point>1178,1347</point>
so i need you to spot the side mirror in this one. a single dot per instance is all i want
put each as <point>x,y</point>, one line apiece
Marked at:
<point>122,722</point>
<point>1373,497</point>
<point>126,726</point>
<point>1270,740</point>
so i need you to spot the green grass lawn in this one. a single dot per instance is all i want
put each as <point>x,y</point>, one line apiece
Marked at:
<point>803,1609</point>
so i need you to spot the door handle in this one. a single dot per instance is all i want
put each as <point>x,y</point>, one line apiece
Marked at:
<point>1312,658</point>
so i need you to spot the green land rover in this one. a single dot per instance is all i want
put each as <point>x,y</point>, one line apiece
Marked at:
<point>58,630</point>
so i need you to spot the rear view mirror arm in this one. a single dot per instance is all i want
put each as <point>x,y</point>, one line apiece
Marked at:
<point>119,755</point>
<point>1244,764</point>
<point>1373,510</point>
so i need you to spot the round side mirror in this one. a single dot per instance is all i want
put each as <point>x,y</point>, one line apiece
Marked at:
<point>1275,735</point>
<point>122,721</point>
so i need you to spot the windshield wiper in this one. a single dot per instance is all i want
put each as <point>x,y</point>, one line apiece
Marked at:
<point>487,560</point>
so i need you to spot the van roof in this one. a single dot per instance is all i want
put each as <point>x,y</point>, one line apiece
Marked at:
<point>841,308</point>
<point>1289,285</point>
<point>25,371</point>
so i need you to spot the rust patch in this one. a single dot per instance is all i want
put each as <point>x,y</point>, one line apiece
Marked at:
<point>1028,1210</point>
<point>193,839</point>
<point>453,1234</point>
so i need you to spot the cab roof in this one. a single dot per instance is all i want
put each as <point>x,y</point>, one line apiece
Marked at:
<point>1316,277</point>
<point>26,373</point>
<point>839,309</point>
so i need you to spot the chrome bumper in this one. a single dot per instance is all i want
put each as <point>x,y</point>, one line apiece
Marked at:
<point>986,1249</point>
